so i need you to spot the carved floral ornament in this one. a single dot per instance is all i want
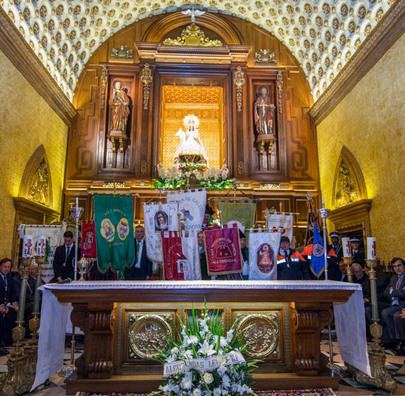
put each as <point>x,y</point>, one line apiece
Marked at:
<point>322,35</point>
<point>192,35</point>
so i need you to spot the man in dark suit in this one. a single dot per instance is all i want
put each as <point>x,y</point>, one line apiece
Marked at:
<point>395,293</point>
<point>142,267</point>
<point>9,294</point>
<point>202,257</point>
<point>63,261</point>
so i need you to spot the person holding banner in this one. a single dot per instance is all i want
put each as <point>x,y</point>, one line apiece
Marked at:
<point>357,252</point>
<point>291,264</point>
<point>202,256</point>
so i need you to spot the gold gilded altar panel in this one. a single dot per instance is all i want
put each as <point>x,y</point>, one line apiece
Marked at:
<point>139,328</point>
<point>204,102</point>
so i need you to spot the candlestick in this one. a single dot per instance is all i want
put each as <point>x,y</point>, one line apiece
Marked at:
<point>371,248</point>
<point>346,247</point>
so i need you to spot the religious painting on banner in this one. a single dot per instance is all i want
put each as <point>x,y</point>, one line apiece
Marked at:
<point>158,217</point>
<point>175,263</point>
<point>113,217</point>
<point>223,252</point>
<point>263,251</point>
<point>89,248</point>
<point>242,211</point>
<point>191,206</point>
<point>281,222</point>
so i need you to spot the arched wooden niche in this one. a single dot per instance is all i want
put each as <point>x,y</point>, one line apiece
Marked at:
<point>36,184</point>
<point>348,184</point>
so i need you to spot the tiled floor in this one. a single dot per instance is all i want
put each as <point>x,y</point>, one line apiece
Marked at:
<point>56,386</point>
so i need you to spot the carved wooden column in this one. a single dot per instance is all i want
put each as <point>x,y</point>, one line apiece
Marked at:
<point>309,321</point>
<point>94,320</point>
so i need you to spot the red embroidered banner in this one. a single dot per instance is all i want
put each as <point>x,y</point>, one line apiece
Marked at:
<point>223,251</point>
<point>89,248</point>
<point>173,257</point>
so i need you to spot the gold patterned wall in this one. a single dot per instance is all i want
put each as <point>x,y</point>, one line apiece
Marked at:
<point>27,121</point>
<point>369,121</point>
<point>204,102</point>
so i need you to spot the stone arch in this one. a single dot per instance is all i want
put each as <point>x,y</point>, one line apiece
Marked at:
<point>36,182</point>
<point>348,185</point>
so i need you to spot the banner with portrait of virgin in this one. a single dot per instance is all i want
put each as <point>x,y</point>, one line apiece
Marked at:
<point>263,251</point>
<point>157,218</point>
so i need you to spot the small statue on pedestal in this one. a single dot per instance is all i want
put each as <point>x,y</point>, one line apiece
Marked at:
<point>120,103</point>
<point>264,121</point>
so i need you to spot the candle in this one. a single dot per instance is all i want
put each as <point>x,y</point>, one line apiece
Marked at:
<point>346,247</point>
<point>37,285</point>
<point>323,203</point>
<point>371,245</point>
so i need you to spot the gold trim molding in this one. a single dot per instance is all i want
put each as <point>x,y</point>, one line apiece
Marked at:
<point>377,43</point>
<point>13,45</point>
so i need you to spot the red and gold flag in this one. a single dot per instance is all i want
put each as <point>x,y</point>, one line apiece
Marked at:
<point>223,251</point>
<point>174,261</point>
<point>89,248</point>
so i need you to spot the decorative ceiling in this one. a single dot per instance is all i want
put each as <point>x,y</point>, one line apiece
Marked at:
<point>322,34</point>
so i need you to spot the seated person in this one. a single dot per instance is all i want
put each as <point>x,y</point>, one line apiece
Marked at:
<point>399,324</point>
<point>395,295</point>
<point>291,264</point>
<point>342,271</point>
<point>9,294</point>
<point>360,277</point>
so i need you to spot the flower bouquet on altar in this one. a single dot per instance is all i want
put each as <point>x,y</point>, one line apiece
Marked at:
<point>204,361</point>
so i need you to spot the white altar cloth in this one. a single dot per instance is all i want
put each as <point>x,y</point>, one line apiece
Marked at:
<point>349,316</point>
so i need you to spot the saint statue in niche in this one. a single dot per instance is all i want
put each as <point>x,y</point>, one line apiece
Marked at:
<point>264,113</point>
<point>120,109</point>
<point>190,148</point>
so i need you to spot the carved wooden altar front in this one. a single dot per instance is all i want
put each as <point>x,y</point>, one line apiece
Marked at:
<point>217,69</point>
<point>123,322</point>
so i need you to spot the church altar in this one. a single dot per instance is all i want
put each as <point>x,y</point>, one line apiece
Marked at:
<point>124,321</point>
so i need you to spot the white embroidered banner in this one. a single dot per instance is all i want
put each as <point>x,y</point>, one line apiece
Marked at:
<point>54,237</point>
<point>263,251</point>
<point>190,250</point>
<point>158,217</point>
<point>191,206</point>
<point>281,222</point>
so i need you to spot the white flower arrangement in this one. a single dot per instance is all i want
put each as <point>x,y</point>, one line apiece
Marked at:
<point>204,361</point>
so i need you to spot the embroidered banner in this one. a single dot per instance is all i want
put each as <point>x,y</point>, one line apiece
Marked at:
<point>191,206</point>
<point>223,251</point>
<point>54,237</point>
<point>175,264</point>
<point>244,212</point>
<point>158,217</point>
<point>190,250</point>
<point>114,232</point>
<point>281,222</point>
<point>317,259</point>
<point>89,247</point>
<point>263,251</point>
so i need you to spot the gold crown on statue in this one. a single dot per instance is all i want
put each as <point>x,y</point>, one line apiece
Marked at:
<point>191,120</point>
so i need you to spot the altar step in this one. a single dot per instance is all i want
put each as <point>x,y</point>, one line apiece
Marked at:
<point>142,383</point>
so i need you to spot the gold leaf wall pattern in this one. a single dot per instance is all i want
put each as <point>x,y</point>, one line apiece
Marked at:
<point>321,34</point>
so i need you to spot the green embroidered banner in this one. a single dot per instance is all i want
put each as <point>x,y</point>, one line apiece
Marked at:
<point>113,217</point>
<point>242,211</point>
